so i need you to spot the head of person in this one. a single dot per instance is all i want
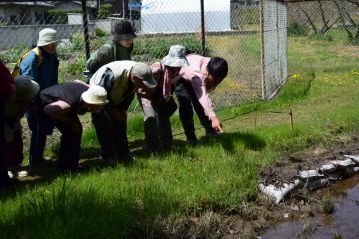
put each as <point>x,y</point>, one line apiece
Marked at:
<point>94,99</point>
<point>48,40</point>
<point>217,70</point>
<point>26,90</point>
<point>142,78</point>
<point>123,33</point>
<point>175,59</point>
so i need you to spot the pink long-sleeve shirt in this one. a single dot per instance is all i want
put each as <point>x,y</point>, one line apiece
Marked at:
<point>196,73</point>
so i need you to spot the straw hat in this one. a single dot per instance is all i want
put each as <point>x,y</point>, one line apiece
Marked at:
<point>46,37</point>
<point>95,95</point>
<point>144,73</point>
<point>176,57</point>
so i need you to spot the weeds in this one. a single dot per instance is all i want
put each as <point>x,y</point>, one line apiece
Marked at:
<point>328,204</point>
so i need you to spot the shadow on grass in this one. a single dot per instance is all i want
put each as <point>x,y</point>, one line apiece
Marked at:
<point>66,212</point>
<point>229,141</point>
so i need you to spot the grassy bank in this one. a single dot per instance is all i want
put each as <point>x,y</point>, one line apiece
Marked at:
<point>179,194</point>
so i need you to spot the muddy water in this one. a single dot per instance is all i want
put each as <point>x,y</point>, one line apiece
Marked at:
<point>342,222</point>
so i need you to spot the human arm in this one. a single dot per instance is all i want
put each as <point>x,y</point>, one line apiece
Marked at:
<point>206,102</point>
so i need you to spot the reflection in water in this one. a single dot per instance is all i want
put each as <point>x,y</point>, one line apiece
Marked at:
<point>343,221</point>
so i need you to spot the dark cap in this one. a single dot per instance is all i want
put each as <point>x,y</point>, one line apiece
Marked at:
<point>122,30</point>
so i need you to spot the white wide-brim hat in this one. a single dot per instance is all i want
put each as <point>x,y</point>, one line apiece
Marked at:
<point>176,57</point>
<point>95,95</point>
<point>47,36</point>
<point>26,89</point>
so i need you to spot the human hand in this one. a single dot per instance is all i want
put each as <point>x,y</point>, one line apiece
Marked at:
<point>216,124</point>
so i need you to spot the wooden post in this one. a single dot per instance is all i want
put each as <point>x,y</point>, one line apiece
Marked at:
<point>291,118</point>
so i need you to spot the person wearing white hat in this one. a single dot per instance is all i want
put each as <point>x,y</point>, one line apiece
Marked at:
<point>159,107</point>
<point>41,65</point>
<point>61,104</point>
<point>121,79</point>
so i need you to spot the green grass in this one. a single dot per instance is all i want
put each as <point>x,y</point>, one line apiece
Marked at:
<point>159,194</point>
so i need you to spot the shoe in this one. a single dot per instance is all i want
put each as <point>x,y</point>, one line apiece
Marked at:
<point>41,163</point>
<point>211,133</point>
<point>126,159</point>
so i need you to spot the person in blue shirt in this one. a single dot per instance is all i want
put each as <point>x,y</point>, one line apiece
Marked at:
<point>41,65</point>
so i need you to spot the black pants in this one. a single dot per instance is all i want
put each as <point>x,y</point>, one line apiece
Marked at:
<point>69,154</point>
<point>188,100</point>
<point>111,133</point>
<point>4,178</point>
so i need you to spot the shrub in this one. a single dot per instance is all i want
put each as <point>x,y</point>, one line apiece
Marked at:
<point>158,47</point>
<point>100,33</point>
<point>13,54</point>
<point>104,11</point>
<point>60,16</point>
<point>296,29</point>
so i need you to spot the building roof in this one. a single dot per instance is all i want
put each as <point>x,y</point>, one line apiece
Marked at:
<point>27,3</point>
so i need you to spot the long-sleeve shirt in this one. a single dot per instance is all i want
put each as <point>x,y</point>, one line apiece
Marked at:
<point>195,72</point>
<point>45,74</point>
<point>5,82</point>
<point>121,71</point>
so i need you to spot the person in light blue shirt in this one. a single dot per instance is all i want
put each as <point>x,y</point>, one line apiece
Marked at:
<point>41,65</point>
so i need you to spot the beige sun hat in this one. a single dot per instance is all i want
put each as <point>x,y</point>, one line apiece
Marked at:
<point>46,37</point>
<point>95,95</point>
<point>144,73</point>
<point>26,89</point>
<point>176,57</point>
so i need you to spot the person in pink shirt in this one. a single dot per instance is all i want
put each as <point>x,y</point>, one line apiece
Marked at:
<point>202,75</point>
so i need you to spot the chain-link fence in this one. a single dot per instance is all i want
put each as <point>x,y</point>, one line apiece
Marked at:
<point>231,29</point>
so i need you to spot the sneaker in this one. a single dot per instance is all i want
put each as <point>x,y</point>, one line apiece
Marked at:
<point>126,159</point>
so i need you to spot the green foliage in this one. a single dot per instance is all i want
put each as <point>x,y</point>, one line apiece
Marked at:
<point>297,29</point>
<point>12,55</point>
<point>100,33</point>
<point>328,204</point>
<point>156,47</point>
<point>60,16</point>
<point>105,11</point>
<point>77,42</point>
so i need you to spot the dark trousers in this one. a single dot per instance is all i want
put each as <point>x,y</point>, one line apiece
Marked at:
<point>188,100</point>
<point>4,178</point>
<point>40,126</point>
<point>69,154</point>
<point>111,134</point>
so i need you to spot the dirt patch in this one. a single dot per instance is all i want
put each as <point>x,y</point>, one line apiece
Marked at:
<point>288,167</point>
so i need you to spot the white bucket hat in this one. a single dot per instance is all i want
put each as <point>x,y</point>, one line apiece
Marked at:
<point>26,89</point>
<point>95,95</point>
<point>46,37</point>
<point>176,57</point>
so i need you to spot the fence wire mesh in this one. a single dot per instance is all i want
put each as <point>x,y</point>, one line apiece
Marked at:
<point>232,30</point>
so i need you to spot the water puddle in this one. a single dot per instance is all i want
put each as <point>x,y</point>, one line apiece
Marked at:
<point>342,223</point>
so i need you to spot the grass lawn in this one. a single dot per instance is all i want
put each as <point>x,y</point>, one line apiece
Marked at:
<point>177,195</point>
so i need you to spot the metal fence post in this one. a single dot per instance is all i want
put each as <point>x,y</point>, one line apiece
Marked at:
<point>86,28</point>
<point>203,30</point>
